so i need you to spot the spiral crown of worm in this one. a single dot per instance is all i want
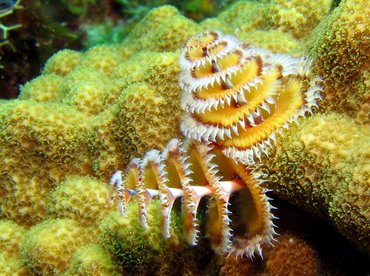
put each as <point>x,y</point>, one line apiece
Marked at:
<point>236,99</point>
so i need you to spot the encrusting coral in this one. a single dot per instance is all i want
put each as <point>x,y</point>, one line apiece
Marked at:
<point>88,114</point>
<point>297,17</point>
<point>82,199</point>
<point>81,117</point>
<point>45,88</point>
<point>277,25</point>
<point>11,236</point>
<point>292,255</point>
<point>46,135</point>
<point>135,249</point>
<point>47,248</point>
<point>62,63</point>
<point>340,48</point>
<point>92,259</point>
<point>324,166</point>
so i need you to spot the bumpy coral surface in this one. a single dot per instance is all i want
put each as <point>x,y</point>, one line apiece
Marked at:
<point>324,166</point>
<point>274,40</point>
<point>44,135</point>
<point>90,113</point>
<point>296,16</point>
<point>82,199</point>
<point>279,26</point>
<point>340,46</point>
<point>11,236</point>
<point>292,256</point>
<point>138,250</point>
<point>241,17</point>
<point>46,88</point>
<point>48,247</point>
<point>92,260</point>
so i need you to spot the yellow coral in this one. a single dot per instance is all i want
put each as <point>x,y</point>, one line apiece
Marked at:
<point>47,129</point>
<point>152,21</point>
<point>53,137</point>
<point>134,106</point>
<point>171,33</point>
<point>12,266</point>
<point>48,247</point>
<point>88,96</point>
<point>24,197</point>
<point>241,17</point>
<point>11,235</point>
<point>82,199</point>
<point>324,166</point>
<point>92,260</point>
<point>81,74</point>
<point>146,126</point>
<point>149,111</point>
<point>62,62</point>
<point>273,40</point>
<point>162,29</point>
<point>45,88</point>
<point>363,90</point>
<point>297,17</point>
<point>340,46</point>
<point>103,58</point>
<point>109,152</point>
<point>137,250</point>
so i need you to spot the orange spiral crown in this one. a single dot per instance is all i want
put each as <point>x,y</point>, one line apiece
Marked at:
<point>236,99</point>
<point>239,97</point>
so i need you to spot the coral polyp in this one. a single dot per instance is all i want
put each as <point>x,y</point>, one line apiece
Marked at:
<point>239,97</point>
<point>238,217</point>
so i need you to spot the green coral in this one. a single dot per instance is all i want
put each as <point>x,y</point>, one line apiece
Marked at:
<point>340,48</point>
<point>89,113</point>
<point>78,7</point>
<point>62,62</point>
<point>45,88</point>
<point>323,165</point>
<point>139,250</point>
<point>297,17</point>
<point>92,260</point>
<point>48,136</point>
<point>47,248</point>
<point>11,236</point>
<point>82,199</point>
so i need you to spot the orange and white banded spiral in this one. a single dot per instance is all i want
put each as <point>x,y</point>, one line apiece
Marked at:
<point>239,217</point>
<point>240,97</point>
<point>236,99</point>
